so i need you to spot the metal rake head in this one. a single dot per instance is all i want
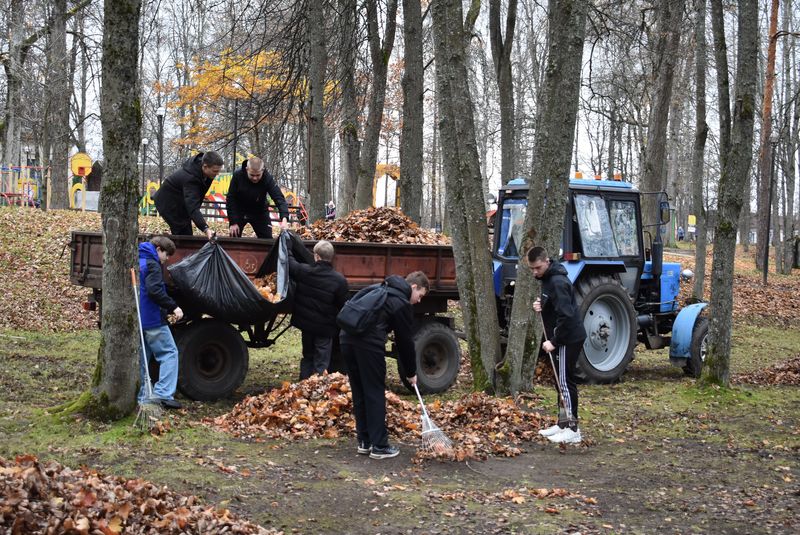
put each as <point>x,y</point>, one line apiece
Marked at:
<point>433,438</point>
<point>148,416</point>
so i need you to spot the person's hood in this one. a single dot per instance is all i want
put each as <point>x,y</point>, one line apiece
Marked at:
<point>194,165</point>
<point>148,251</point>
<point>399,283</point>
<point>555,269</point>
<point>244,166</point>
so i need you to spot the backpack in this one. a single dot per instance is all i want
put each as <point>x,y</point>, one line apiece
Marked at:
<point>361,312</point>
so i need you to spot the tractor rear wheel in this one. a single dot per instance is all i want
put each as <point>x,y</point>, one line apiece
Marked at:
<point>438,358</point>
<point>610,322</point>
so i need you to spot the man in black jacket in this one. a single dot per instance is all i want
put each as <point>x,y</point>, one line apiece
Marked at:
<point>247,199</point>
<point>179,198</point>
<point>365,356</point>
<point>564,334</point>
<point>319,295</point>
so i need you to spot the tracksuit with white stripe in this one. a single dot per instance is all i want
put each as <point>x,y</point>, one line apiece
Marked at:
<point>564,328</point>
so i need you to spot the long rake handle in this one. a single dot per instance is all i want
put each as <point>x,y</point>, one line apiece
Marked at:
<point>421,404</point>
<point>555,373</point>
<point>149,386</point>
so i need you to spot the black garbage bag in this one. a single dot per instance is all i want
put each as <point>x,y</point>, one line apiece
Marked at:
<point>212,283</point>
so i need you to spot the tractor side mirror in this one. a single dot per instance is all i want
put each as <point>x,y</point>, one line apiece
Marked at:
<point>665,212</point>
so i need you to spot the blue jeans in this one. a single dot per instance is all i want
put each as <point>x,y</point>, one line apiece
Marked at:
<point>161,345</point>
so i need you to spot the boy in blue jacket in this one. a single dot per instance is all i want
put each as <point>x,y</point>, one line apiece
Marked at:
<point>155,304</point>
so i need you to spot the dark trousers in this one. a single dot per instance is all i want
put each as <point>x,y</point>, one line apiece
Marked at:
<point>261,224</point>
<point>567,382</point>
<point>316,354</point>
<point>178,226</point>
<point>367,373</point>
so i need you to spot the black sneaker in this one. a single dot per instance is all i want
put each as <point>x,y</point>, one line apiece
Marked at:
<point>386,452</point>
<point>363,448</point>
<point>171,404</point>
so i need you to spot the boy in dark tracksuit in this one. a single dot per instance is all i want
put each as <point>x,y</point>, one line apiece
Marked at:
<point>248,193</point>
<point>564,335</point>
<point>154,304</point>
<point>365,357</point>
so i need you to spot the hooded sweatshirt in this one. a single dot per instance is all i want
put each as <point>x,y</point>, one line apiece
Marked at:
<point>181,194</point>
<point>562,318</point>
<point>398,316</point>
<point>154,303</point>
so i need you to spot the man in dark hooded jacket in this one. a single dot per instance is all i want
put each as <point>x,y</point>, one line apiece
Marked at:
<point>180,196</point>
<point>248,194</point>
<point>365,357</point>
<point>564,336</point>
<point>319,295</point>
<point>154,304</point>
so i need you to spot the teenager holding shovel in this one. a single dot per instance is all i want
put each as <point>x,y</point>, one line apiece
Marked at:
<point>564,336</point>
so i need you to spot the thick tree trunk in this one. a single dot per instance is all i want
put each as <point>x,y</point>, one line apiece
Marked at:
<point>379,55</point>
<point>501,57</point>
<point>463,182</point>
<point>698,150</point>
<point>411,135</point>
<point>317,61</point>
<point>13,62</point>
<point>549,179</point>
<point>670,16</point>
<point>348,135</point>
<point>790,140</point>
<point>731,197</point>
<point>765,156</point>
<point>59,92</point>
<point>113,392</point>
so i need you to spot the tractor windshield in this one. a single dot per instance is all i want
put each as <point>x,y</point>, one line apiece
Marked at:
<point>511,225</point>
<point>623,221</point>
<point>595,227</point>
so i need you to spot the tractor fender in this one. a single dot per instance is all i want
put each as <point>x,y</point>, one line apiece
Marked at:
<point>575,267</point>
<point>682,331</point>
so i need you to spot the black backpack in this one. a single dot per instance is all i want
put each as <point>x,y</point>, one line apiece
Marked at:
<point>361,312</point>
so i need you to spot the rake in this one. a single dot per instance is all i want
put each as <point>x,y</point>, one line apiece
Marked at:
<point>150,410</point>
<point>433,438</point>
<point>562,406</point>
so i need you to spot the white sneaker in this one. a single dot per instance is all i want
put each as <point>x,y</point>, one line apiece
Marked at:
<point>566,436</point>
<point>550,431</point>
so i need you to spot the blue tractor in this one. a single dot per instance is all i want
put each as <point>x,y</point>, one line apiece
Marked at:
<point>625,291</point>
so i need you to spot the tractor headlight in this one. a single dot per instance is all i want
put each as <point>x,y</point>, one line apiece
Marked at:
<point>687,275</point>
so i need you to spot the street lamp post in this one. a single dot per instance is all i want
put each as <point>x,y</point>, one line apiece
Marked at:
<point>145,141</point>
<point>773,141</point>
<point>27,150</point>
<point>160,112</point>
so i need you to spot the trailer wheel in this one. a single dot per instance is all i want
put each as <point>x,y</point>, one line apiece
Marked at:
<point>609,319</point>
<point>214,360</point>
<point>698,349</point>
<point>438,358</point>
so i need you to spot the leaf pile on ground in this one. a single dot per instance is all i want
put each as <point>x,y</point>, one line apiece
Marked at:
<point>784,373</point>
<point>46,497</point>
<point>779,300</point>
<point>34,255</point>
<point>380,225</point>
<point>321,407</point>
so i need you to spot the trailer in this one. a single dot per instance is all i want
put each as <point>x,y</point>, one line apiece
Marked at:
<point>214,353</point>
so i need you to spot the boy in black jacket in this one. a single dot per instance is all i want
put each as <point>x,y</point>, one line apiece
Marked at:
<point>247,199</point>
<point>564,336</point>
<point>179,198</point>
<point>320,293</point>
<point>365,356</point>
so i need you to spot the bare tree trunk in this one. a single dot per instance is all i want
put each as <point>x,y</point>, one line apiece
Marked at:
<point>13,63</point>
<point>555,128</point>
<point>463,181</point>
<point>59,91</point>
<point>351,145</point>
<point>501,57</point>
<point>113,392</point>
<point>411,136</point>
<point>698,152</point>
<point>317,61</point>
<point>669,25</point>
<point>731,196</point>
<point>379,54</point>
<point>790,137</point>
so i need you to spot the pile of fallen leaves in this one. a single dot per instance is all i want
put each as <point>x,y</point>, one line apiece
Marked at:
<point>267,287</point>
<point>784,373</point>
<point>379,225</point>
<point>321,407</point>
<point>46,497</point>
